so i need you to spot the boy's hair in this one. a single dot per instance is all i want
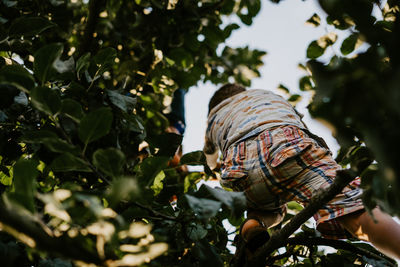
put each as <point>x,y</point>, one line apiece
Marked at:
<point>226,91</point>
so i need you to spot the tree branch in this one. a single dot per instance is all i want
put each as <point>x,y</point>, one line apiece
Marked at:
<point>280,238</point>
<point>87,38</point>
<point>339,244</point>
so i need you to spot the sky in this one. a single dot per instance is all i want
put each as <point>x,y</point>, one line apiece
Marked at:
<point>280,30</point>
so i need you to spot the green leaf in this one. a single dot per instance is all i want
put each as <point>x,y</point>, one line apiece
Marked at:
<point>234,201</point>
<point>123,189</point>
<point>29,26</point>
<point>95,125</point>
<point>284,89</point>
<point>17,76</point>
<point>315,20</point>
<point>349,44</point>
<point>294,98</point>
<point>46,100</point>
<point>158,184</point>
<point>190,180</point>
<point>202,207</point>
<point>50,140</point>
<point>44,60</point>
<point>25,173</point>
<point>305,83</point>
<point>150,168</point>
<point>72,109</point>
<point>182,58</point>
<point>195,231</point>
<point>194,158</point>
<point>110,161</point>
<point>125,103</point>
<point>314,50</point>
<point>82,64</point>
<point>68,162</point>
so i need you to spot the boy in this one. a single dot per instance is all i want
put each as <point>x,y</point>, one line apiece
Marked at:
<point>269,154</point>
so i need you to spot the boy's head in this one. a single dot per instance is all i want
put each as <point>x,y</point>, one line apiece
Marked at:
<point>226,91</point>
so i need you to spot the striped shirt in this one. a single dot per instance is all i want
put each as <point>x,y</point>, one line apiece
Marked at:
<point>247,114</point>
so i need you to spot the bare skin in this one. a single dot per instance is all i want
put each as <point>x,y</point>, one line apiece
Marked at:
<point>384,234</point>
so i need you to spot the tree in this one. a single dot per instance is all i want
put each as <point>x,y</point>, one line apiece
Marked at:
<point>84,83</point>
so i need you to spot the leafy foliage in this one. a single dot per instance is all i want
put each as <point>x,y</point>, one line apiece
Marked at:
<point>82,87</point>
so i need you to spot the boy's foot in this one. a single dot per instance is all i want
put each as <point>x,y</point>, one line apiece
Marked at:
<point>252,235</point>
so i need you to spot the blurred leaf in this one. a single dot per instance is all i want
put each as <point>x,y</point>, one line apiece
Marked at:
<point>29,26</point>
<point>125,103</point>
<point>207,254</point>
<point>25,173</point>
<point>284,88</point>
<point>95,125</point>
<point>314,50</point>
<point>294,98</point>
<point>17,76</point>
<point>305,83</point>
<point>68,162</point>
<point>182,57</point>
<point>110,161</point>
<point>315,20</point>
<point>44,60</point>
<point>123,189</point>
<point>349,44</point>
<point>55,263</point>
<point>46,100</point>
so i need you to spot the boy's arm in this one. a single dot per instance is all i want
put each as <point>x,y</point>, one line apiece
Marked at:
<point>211,153</point>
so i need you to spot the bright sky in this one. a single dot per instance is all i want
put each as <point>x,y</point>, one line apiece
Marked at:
<point>280,30</point>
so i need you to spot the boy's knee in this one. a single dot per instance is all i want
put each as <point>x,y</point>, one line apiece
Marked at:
<point>354,223</point>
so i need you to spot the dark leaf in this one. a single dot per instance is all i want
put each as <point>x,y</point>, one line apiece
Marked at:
<point>194,158</point>
<point>72,109</point>
<point>125,103</point>
<point>68,162</point>
<point>104,60</point>
<point>196,232</point>
<point>305,83</point>
<point>110,161</point>
<point>95,125</point>
<point>29,26</point>
<point>44,60</point>
<point>46,100</point>
<point>17,76</point>
<point>25,173</point>
<point>82,64</point>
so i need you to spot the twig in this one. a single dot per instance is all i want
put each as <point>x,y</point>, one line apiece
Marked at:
<point>155,213</point>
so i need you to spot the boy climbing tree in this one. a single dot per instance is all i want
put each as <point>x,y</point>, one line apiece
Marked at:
<point>271,156</point>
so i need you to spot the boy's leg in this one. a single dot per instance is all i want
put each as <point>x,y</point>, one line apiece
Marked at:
<point>384,233</point>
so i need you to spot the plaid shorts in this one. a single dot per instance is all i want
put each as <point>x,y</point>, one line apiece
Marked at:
<point>284,164</point>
